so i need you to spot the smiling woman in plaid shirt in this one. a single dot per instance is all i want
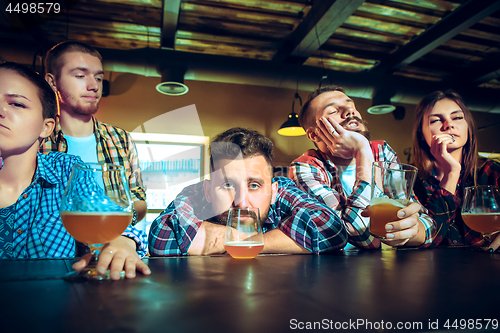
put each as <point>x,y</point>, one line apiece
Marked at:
<point>32,184</point>
<point>445,153</point>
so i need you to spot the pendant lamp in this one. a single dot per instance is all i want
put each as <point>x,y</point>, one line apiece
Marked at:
<point>291,126</point>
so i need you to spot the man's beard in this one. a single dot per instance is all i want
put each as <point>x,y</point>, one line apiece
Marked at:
<point>222,218</point>
<point>77,107</point>
<point>365,133</point>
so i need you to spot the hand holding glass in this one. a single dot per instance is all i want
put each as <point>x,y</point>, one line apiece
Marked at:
<point>391,188</point>
<point>481,210</point>
<point>244,239</point>
<point>96,208</point>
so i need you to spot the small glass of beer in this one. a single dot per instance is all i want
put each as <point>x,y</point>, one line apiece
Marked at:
<point>391,188</point>
<point>481,210</point>
<point>96,208</point>
<point>244,239</point>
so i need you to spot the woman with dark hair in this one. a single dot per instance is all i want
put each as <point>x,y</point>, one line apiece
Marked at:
<point>32,184</point>
<point>446,155</point>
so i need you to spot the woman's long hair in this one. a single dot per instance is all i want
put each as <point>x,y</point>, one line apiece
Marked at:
<point>422,157</point>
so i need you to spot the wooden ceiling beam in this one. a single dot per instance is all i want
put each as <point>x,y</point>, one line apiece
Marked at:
<point>454,23</point>
<point>170,18</point>
<point>479,73</point>
<point>319,24</point>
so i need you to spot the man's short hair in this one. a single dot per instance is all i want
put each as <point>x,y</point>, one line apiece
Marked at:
<point>237,140</point>
<point>53,59</point>
<point>45,92</point>
<point>307,116</point>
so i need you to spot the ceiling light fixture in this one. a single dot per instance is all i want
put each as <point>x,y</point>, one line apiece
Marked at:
<point>292,127</point>
<point>172,82</point>
<point>381,103</point>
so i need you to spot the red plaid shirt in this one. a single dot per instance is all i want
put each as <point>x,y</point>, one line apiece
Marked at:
<point>445,207</point>
<point>315,174</point>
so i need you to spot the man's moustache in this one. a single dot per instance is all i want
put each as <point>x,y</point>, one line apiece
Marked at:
<point>348,120</point>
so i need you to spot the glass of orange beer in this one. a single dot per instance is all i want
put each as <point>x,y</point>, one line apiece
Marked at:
<point>391,189</point>
<point>96,208</point>
<point>244,238</point>
<point>481,210</point>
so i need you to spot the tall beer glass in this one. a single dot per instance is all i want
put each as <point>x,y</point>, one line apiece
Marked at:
<point>481,210</point>
<point>244,239</point>
<point>96,208</point>
<point>392,185</point>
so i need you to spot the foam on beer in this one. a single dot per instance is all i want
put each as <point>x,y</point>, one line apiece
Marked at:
<point>394,202</point>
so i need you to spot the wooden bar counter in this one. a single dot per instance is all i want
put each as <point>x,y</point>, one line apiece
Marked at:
<point>356,291</point>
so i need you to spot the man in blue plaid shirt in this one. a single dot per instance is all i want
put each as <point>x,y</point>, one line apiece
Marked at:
<point>338,172</point>
<point>32,184</point>
<point>241,165</point>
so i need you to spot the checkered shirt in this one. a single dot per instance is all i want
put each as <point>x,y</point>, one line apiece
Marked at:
<point>308,222</point>
<point>39,232</point>
<point>445,207</point>
<point>115,146</point>
<point>315,174</point>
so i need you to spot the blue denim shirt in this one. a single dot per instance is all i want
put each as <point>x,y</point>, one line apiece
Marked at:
<point>38,230</point>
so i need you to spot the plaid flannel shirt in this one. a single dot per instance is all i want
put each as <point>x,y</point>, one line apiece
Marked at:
<point>115,146</point>
<point>315,174</point>
<point>445,207</point>
<point>308,222</point>
<point>39,230</point>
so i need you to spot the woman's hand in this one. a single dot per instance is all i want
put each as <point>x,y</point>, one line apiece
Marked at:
<point>449,167</point>
<point>117,255</point>
<point>439,149</point>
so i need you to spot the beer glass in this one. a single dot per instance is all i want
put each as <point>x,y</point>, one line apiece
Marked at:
<point>481,210</point>
<point>244,239</point>
<point>96,208</point>
<point>392,185</point>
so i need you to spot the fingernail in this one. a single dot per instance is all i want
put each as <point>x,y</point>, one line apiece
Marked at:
<point>401,214</point>
<point>388,227</point>
<point>101,270</point>
<point>491,250</point>
<point>115,275</point>
<point>389,236</point>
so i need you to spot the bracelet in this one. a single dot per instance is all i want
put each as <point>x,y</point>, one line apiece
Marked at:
<point>134,219</point>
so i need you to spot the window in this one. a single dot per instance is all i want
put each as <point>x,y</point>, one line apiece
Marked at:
<point>493,156</point>
<point>168,164</point>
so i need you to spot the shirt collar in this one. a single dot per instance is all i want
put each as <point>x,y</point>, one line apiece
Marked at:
<point>45,171</point>
<point>59,133</point>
